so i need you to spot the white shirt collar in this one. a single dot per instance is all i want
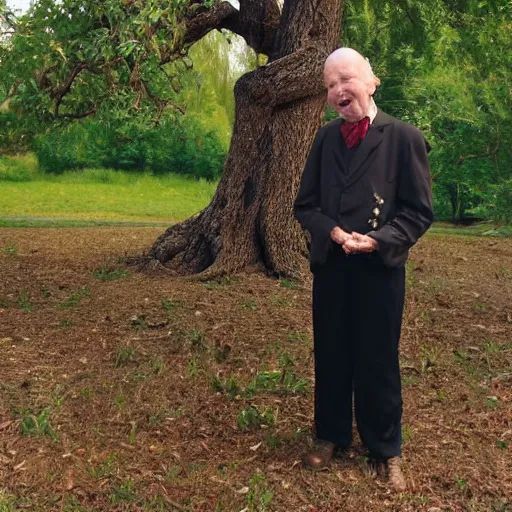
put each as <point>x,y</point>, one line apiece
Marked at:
<point>372,111</point>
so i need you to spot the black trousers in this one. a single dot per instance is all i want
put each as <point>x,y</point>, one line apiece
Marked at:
<point>357,316</point>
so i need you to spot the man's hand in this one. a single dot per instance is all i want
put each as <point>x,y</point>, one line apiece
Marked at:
<point>339,236</point>
<point>358,243</point>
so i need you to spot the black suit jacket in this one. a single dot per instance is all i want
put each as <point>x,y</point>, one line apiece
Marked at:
<point>390,164</point>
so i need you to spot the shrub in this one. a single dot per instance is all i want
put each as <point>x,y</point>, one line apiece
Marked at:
<point>181,145</point>
<point>500,204</point>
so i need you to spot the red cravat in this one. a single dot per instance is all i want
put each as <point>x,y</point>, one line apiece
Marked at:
<point>354,133</point>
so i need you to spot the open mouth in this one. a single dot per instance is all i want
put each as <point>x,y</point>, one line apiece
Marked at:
<point>344,103</point>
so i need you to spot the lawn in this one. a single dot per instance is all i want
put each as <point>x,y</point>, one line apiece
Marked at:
<point>98,194</point>
<point>121,391</point>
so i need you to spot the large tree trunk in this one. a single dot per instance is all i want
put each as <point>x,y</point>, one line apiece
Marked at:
<point>278,108</point>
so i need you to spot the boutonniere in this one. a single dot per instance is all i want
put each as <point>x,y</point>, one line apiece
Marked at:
<point>376,211</point>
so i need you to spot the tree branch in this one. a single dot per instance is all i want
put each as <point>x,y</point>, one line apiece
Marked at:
<point>291,78</point>
<point>59,93</point>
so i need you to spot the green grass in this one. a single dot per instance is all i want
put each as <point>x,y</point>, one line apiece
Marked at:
<point>477,229</point>
<point>27,195</point>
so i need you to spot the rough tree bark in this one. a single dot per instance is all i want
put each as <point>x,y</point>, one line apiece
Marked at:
<point>278,108</point>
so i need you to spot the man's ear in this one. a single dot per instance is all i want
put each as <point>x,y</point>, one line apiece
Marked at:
<point>372,87</point>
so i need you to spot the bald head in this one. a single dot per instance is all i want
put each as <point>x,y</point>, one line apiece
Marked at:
<point>349,57</point>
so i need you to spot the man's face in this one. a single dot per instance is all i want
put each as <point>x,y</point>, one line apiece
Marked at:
<point>349,86</point>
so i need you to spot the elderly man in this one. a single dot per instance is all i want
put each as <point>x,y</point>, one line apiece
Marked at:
<point>365,198</point>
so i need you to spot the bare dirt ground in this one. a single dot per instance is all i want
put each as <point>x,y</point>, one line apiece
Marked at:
<point>121,391</point>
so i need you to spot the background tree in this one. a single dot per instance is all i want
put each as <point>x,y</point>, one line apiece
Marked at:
<point>446,67</point>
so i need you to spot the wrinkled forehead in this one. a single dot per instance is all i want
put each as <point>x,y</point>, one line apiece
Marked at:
<point>349,65</point>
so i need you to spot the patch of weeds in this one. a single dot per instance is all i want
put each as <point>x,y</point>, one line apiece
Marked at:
<point>297,336</point>
<point>410,277</point>
<point>492,402</point>
<point>479,306</point>
<point>504,273</point>
<point>406,433</point>
<point>259,496</point>
<point>72,504</point>
<point>139,322</point>
<point>251,418</point>
<point>273,442</point>
<point>223,281</point>
<point>24,301</point>
<point>58,395</point>
<point>157,365</point>
<point>250,304</point>
<point>36,424</point>
<point>441,395</point>
<point>460,355</point>
<point>4,302</point>
<point>109,272</point>
<point>492,347</point>
<point>436,286</point>
<point>228,387</point>
<point>157,418</point>
<point>289,283</point>
<point>123,493</point>
<point>156,504</point>
<point>279,382</point>
<point>502,444</point>
<point>132,437</point>
<point>125,355</point>
<point>463,486</point>
<point>66,323</point>
<point>173,473</point>
<point>429,358</point>
<point>44,291</point>
<point>74,299</point>
<point>10,250</point>
<point>85,393</point>
<point>169,305</point>
<point>285,360</point>
<point>280,301</point>
<point>103,469</point>
<point>197,340</point>
<point>7,502</point>
<point>193,367</point>
<point>120,402</point>
<point>409,380</point>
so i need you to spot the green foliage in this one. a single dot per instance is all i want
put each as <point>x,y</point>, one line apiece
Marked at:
<point>181,145</point>
<point>7,502</point>
<point>18,169</point>
<point>125,355</point>
<point>170,305</point>
<point>279,382</point>
<point>500,207</point>
<point>447,68</point>
<point>74,299</point>
<point>229,387</point>
<point>109,272</point>
<point>23,300</point>
<point>259,496</point>
<point>251,418</point>
<point>36,424</point>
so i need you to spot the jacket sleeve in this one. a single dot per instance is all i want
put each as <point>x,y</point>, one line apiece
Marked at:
<point>307,208</point>
<point>414,212</point>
